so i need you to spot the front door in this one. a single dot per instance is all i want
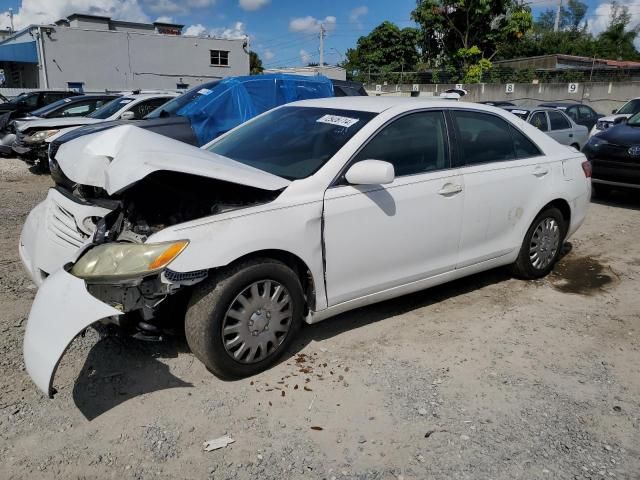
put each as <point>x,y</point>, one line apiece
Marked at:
<point>382,236</point>
<point>561,129</point>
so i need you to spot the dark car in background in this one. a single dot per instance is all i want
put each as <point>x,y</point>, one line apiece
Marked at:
<point>30,101</point>
<point>615,157</point>
<point>579,113</point>
<point>211,109</point>
<point>498,103</point>
<point>77,106</point>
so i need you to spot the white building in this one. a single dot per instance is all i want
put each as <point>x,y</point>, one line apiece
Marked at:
<point>95,53</point>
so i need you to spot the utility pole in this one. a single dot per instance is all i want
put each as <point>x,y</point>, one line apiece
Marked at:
<point>10,15</point>
<point>323,32</point>
<point>556,25</point>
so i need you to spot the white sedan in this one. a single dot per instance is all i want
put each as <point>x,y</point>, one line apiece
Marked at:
<point>306,211</point>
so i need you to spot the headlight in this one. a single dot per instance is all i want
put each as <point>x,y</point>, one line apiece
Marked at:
<point>40,136</point>
<point>596,142</point>
<point>119,261</point>
<point>600,125</point>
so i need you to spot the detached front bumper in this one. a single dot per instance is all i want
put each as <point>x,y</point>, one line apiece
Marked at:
<point>62,309</point>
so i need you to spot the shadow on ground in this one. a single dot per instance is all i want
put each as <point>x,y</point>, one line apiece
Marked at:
<point>120,368</point>
<point>628,198</point>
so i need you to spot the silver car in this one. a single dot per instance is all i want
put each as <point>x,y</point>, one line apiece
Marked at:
<point>554,123</point>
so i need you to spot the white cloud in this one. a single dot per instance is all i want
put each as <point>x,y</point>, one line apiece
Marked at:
<point>268,54</point>
<point>165,6</point>
<point>311,24</point>
<point>48,11</point>
<point>252,5</point>
<point>356,14</point>
<point>235,32</point>
<point>195,30</point>
<point>599,19</point>
<point>165,19</point>
<point>305,57</point>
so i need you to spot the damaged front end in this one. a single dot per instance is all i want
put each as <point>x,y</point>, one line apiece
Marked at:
<point>116,276</point>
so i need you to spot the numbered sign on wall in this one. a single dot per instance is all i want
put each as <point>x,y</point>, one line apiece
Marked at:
<point>378,88</point>
<point>573,88</point>
<point>415,87</point>
<point>459,86</point>
<point>509,88</point>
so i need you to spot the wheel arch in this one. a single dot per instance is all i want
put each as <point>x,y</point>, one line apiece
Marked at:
<point>564,207</point>
<point>294,262</point>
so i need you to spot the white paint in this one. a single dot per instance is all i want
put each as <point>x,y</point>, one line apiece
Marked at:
<point>381,240</point>
<point>49,331</point>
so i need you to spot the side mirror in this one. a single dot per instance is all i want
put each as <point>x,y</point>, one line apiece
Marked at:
<point>370,172</point>
<point>614,111</point>
<point>619,120</point>
<point>128,115</point>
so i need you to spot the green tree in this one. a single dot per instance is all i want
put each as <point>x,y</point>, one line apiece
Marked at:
<point>255,63</point>
<point>572,18</point>
<point>450,25</point>
<point>617,41</point>
<point>386,49</point>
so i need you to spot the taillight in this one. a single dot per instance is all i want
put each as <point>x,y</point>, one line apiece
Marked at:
<point>587,169</point>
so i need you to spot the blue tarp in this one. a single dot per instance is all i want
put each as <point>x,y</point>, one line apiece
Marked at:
<point>25,52</point>
<point>237,99</point>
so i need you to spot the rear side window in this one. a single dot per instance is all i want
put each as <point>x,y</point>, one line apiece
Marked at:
<point>482,138</point>
<point>585,112</point>
<point>524,147</point>
<point>539,120</point>
<point>415,143</point>
<point>558,121</point>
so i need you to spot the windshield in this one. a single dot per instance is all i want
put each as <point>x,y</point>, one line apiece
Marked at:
<point>171,109</point>
<point>110,108</point>
<point>634,121</point>
<point>631,107</point>
<point>292,142</point>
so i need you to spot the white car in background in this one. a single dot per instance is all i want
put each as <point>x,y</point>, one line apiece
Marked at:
<point>623,113</point>
<point>31,137</point>
<point>555,123</point>
<point>307,211</point>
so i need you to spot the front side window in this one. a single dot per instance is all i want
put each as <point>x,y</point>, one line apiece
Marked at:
<point>539,120</point>
<point>292,142</point>
<point>585,112</point>
<point>78,109</point>
<point>482,138</point>
<point>558,121</point>
<point>30,101</point>
<point>219,57</point>
<point>415,143</point>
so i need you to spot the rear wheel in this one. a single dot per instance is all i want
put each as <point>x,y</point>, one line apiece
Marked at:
<point>240,321</point>
<point>541,245</point>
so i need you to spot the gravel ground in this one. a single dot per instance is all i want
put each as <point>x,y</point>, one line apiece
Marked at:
<point>484,378</point>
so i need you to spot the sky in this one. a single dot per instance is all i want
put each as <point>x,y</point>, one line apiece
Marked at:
<point>283,32</point>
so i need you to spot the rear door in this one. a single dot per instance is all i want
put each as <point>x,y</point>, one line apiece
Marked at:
<point>560,127</point>
<point>502,171</point>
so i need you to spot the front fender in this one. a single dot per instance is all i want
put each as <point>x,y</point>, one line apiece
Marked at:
<point>62,309</point>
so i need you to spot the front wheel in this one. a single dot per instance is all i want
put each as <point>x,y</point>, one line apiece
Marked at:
<point>241,320</point>
<point>541,245</point>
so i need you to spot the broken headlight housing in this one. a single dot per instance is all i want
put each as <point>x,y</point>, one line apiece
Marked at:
<point>40,136</point>
<point>122,261</point>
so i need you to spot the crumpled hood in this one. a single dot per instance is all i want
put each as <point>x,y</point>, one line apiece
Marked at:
<point>57,123</point>
<point>121,156</point>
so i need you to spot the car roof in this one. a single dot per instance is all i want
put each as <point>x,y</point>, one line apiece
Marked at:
<point>137,96</point>
<point>380,104</point>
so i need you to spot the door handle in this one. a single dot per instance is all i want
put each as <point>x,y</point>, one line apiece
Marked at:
<point>540,171</point>
<point>449,189</point>
<point>571,135</point>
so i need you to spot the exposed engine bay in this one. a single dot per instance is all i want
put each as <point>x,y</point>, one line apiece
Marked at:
<point>159,200</point>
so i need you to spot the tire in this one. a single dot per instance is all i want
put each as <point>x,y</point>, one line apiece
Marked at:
<point>537,264</point>
<point>576,146</point>
<point>218,303</point>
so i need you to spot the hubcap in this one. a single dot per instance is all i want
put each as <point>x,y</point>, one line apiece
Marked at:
<point>257,321</point>
<point>545,243</point>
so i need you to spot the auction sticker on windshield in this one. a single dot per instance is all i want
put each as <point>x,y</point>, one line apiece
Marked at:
<point>338,120</point>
